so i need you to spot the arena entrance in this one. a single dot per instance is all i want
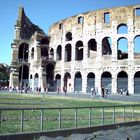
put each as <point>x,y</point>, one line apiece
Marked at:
<point>106,81</point>
<point>67,82</point>
<point>58,81</point>
<point>122,81</point>
<point>23,75</point>
<point>78,82</point>
<point>90,81</point>
<point>51,84</point>
<point>36,81</point>
<point>137,83</point>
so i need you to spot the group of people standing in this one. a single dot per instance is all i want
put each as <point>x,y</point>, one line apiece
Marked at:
<point>104,91</point>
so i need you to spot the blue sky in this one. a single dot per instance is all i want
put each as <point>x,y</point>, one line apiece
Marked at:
<point>44,13</point>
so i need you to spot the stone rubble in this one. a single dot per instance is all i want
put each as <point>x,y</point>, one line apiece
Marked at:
<point>122,133</point>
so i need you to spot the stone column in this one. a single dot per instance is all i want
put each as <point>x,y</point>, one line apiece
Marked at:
<point>72,81</point>
<point>114,83</point>
<point>130,52</point>
<point>55,54</point>
<point>14,80</point>
<point>73,52</point>
<point>42,80</point>
<point>62,67</point>
<point>98,82</point>
<point>130,83</point>
<point>84,82</point>
<point>99,53</point>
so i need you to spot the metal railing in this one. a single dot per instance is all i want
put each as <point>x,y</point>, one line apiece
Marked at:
<point>39,119</point>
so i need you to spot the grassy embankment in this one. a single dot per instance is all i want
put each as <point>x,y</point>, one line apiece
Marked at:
<point>10,120</point>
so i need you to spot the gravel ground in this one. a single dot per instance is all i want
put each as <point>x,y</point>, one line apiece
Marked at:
<point>122,133</point>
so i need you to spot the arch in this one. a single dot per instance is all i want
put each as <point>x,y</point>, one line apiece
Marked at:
<point>122,29</point>
<point>78,82</point>
<point>23,52</point>
<point>51,53</point>
<point>106,46</point>
<point>106,81</point>
<point>50,77</point>
<point>92,47</point>
<point>137,46</point>
<point>44,52</point>
<point>32,53</point>
<point>67,81</point>
<point>122,45</point>
<point>137,82</point>
<point>59,52</point>
<point>36,81</point>
<point>68,36</point>
<point>24,75</point>
<point>79,50</point>
<point>58,81</point>
<point>68,53</point>
<point>90,81</point>
<point>44,41</point>
<point>122,81</point>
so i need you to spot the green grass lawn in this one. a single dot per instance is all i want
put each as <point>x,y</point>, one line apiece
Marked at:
<point>11,119</point>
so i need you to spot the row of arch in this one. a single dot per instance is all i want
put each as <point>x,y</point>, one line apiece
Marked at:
<point>122,46</point>
<point>106,81</point>
<point>121,29</point>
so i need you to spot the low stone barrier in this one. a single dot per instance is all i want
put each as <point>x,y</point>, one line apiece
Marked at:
<point>70,133</point>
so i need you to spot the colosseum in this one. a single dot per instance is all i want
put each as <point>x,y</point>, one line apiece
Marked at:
<point>90,50</point>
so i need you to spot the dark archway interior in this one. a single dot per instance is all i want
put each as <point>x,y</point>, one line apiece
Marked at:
<point>44,41</point>
<point>69,36</point>
<point>68,53</point>
<point>91,75</point>
<point>79,50</point>
<point>106,46</point>
<point>59,50</point>
<point>23,52</point>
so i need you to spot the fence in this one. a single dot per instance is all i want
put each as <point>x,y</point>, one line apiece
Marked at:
<point>39,119</point>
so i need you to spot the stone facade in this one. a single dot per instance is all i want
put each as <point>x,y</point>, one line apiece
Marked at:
<point>83,52</point>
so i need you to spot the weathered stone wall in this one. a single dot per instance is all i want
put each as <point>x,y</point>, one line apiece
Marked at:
<point>92,26</point>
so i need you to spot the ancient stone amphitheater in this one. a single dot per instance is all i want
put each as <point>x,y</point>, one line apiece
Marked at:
<point>89,50</point>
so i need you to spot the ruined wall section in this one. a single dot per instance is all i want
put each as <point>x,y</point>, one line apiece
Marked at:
<point>93,26</point>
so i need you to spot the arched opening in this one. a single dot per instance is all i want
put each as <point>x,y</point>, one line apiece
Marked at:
<point>92,48</point>
<point>32,53</point>
<point>137,46</point>
<point>67,81</point>
<point>59,52</point>
<point>58,81</point>
<point>44,52</point>
<point>51,53</point>
<point>106,81</point>
<point>50,77</point>
<point>122,81</point>
<point>106,46</point>
<point>23,52</point>
<point>137,82</point>
<point>68,53</point>
<point>90,81</point>
<point>78,82</point>
<point>68,36</point>
<point>44,41</point>
<point>122,48</point>
<point>36,81</point>
<point>122,29</point>
<point>79,50</point>
<point>24,75</point>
